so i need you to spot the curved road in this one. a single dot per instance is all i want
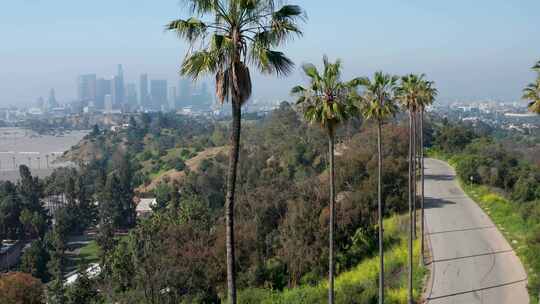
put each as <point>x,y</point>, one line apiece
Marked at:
<point>471,261</point>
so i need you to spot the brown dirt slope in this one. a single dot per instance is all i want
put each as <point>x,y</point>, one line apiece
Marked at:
<point>193,164</point>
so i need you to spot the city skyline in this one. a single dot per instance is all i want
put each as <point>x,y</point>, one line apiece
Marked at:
<point>480,50</point>
<point>92,89</point>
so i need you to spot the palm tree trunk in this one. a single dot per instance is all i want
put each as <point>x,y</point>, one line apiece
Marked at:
<point>380,205</point>
<point>422,259</point>
<point>230,195</point>
<point>410,288</point>
<point>332,219</point>
<point>414,173</point>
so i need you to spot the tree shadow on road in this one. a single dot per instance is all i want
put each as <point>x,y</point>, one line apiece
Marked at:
<point>439,177</point>
<point>433,203</point>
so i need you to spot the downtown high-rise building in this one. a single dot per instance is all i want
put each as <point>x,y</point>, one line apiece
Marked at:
<point>108,104</point>
<point>172,98</point>
<point>51,101</point>
<point>185,91</point>
<point>103,88</point>
<point>86,89</point>
<point>159,93</point>
<point>118,88</point>
<point>143,90</point>
<point>132,95</point>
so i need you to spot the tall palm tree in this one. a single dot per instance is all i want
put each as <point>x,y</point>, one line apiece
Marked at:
<point>409,93</point>
<point>532,92</point>
<point>328,102</point>
<point>378,103</point>
<point>428,95</point>
<point>225,37</point>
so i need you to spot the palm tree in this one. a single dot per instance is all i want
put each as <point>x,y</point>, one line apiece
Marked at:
<point>428,95</point>
<point>532,92</point>
<point>408,93</point>
<point>378,103</point>
<point>236,34</point>
<point>327,101</point>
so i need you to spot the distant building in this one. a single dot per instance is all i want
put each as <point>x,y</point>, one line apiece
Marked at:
<point>86,89</point>
<point>58,112</point>
<point>144,207</point>
<point>118,89</point>
<point>51,101</point>
<point>103,88</point>
<point>172,98</point>
<point>90,109</point>
<point>132,95</point>
<point>159,93</point>
<point>40,103</point>
<point>108,104</point>
<point>34,112</point>
<point>184,93</point>
<point>143,90</point>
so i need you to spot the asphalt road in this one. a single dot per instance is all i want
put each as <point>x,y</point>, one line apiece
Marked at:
<point>471,261</point>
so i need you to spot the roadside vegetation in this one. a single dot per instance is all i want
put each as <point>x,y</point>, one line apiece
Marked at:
<point>359,284</point>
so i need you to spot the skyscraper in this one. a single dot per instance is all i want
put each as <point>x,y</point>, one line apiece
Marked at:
<point>172,98</point>
<point>118,88</point>
<point>40,103</point>
<point>103,88</point>
<point>132,95</point>
<point>159,93</point>
<point>86,88</point>
<point>143,90</point>
<point>52,102</point>
<point>108,104</point>
<point>185,92</point>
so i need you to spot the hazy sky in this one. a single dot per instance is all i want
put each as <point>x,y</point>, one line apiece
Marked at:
<point>471,48</point>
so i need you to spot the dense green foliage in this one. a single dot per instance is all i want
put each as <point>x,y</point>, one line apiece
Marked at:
<point>282,215</point>
<point>22,214</point>
<point>357,285</point>
<point>177,253</point>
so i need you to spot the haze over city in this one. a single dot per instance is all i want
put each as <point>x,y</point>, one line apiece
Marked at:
<point>473,50</point>
<point>269,151</point>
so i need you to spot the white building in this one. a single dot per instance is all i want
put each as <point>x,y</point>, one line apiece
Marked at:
<point>144,207</point>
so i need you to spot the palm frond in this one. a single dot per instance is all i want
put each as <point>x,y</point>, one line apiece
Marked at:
<point>535,107</point>
<point>311,71</point>
<point>199,63</point>
<point>236,33</point>
<point>288,12</point>
<point>379,98</point>
<point>200,7</point>
<point>532,93</point>
<point>536,67</point>
<point>298,90</point>
<point>327,100</point>
<point>190,29</point>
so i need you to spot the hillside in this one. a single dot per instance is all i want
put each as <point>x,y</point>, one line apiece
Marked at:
<point>173,176</point>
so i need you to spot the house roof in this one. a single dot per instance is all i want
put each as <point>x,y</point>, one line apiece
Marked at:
<point>146,204</point>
